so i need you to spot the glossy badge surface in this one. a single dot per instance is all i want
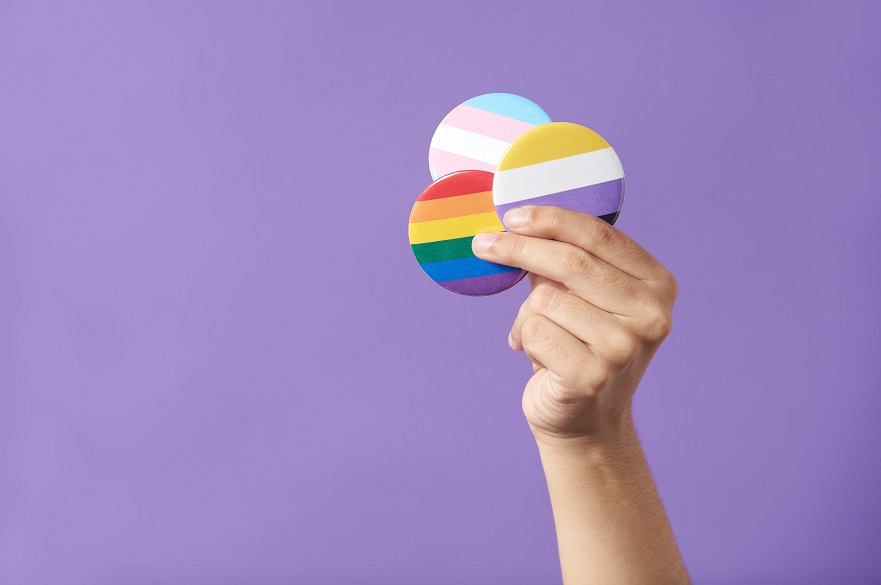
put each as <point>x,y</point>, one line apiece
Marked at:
<point>444,220</point>
<point>564,165</point>
<point>476,133</point>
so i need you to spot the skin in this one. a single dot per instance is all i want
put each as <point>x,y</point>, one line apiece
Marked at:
<point>599,308</point>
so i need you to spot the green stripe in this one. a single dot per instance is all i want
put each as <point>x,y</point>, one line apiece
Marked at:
<point>443,250</point>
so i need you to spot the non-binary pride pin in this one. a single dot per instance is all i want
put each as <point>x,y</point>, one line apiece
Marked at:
<point>476,133</point>
<point>444,220</point>
<point>564,165</point>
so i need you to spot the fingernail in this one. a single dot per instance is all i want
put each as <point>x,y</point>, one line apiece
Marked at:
<point>517,218</point>
<point>510,340</point>
<point>483,241</point>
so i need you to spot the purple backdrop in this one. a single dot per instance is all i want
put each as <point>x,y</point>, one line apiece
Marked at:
<point>220,363</point>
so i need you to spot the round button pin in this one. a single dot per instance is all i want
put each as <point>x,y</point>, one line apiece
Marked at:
<point>564,165</point>
<point>476,133</point>
<point>444,220</point>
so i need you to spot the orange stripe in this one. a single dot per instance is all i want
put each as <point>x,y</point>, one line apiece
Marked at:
<point>450,207</point>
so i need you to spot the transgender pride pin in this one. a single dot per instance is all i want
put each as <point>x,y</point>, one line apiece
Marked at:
<point>476,134</point>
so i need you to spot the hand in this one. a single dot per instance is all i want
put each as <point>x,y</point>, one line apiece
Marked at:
<point>599,309</point>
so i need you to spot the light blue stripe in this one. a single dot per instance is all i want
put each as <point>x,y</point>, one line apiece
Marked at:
<point>463,268</point>
<point>512,106</point>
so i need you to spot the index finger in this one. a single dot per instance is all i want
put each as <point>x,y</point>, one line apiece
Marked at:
<point>589,233</point>
<point>589,277</point>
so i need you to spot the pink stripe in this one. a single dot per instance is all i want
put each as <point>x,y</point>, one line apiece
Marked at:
<point>486,123</point>
<point>443,163</point>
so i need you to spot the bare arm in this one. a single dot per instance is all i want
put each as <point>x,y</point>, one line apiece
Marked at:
<point>599,309</point>
<point>611,525</point>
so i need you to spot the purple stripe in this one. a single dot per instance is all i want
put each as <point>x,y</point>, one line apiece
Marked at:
<point>598,199</point>
<point>484,285</point>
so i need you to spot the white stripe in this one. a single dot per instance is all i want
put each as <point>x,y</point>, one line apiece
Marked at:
<point>557,175</point>
<point>470,144</point>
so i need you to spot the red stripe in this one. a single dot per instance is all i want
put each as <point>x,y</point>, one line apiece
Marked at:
<point>458,183</point>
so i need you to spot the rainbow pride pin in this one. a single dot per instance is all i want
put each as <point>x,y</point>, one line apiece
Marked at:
<point>476,134</point>
<point>444,220</point>
<point>564,165</point>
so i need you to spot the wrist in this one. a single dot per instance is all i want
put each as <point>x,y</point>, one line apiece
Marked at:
<point>614,442</point>
<point>609,463</point>
<point>615,429</point>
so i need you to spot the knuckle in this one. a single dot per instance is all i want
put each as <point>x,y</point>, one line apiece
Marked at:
<point>622,350</point>
<point>538,215</point>
<point>576,263</point>
<point>555,217</point>
<point>545,215</point>
<point>674,285</point>
<point>666,284</point>
<point>603,234</point>
<point>516,246</point>
<point>657,322</point>
<point>543,298</point>
<point>533,329</point>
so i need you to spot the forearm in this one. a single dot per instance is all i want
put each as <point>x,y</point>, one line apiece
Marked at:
<point>611,525</point>
<point>600,307</point>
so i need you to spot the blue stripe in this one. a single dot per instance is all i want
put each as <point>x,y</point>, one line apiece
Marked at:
<point>512,106</point>
<point>463,268</point>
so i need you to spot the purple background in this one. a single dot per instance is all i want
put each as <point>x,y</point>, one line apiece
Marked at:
<point>220,363</point>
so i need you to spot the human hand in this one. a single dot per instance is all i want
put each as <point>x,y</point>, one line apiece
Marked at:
<point>599,309</point>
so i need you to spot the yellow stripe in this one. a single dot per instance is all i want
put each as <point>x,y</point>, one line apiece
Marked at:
<point>550,142</point>
<point>457,227</point>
